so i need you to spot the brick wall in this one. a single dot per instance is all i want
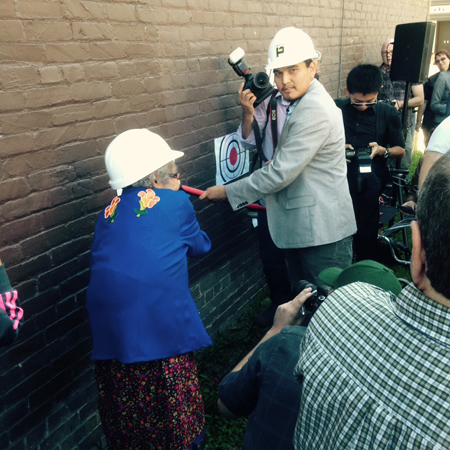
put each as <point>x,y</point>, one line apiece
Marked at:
<point>75,73</point>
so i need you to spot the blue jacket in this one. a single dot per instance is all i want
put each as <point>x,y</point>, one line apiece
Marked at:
<point>139,303</point>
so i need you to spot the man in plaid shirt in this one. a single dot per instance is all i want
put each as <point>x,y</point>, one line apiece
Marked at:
<point>374,367</point>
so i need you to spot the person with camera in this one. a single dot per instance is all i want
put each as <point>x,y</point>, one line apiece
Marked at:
<point>305,183</point>
<point>373,135</point>
<point>269,117</point>
<point>394,92</point>
<point>262,385</point>
<point>374,366</point>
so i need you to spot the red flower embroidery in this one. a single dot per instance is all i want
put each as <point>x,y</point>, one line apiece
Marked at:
<point>110,210</point>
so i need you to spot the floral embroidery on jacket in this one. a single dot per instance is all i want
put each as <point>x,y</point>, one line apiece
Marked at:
<point>110,214</point>
<point>148,200</point>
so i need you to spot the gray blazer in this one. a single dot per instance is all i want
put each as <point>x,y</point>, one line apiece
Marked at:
<point>306,188</point>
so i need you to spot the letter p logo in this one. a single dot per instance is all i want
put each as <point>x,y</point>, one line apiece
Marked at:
<point>280,50</point>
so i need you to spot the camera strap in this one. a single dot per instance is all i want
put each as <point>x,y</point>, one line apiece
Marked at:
<point>272,114</point>
<point>259,150</point>
<point>273,120</point>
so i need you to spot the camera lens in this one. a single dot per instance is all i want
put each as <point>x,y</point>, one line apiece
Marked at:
<point>261,80</point>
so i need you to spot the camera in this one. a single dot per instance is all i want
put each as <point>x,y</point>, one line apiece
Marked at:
<point>258,84</point>
<point>361,168</point>
<point>362,157</point>
<point>319,294</point>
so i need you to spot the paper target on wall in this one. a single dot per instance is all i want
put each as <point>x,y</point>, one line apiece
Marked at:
<point>232,160</point>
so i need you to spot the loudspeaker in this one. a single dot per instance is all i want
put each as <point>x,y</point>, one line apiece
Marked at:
<point>413,43</point>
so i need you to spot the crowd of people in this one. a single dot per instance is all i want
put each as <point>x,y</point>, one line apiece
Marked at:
<point>371,368</point>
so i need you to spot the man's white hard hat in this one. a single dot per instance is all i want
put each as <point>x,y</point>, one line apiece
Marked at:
<point>134,154</point>
<point>289,47</point>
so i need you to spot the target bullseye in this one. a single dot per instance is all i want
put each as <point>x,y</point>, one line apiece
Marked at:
<point>232,158</point>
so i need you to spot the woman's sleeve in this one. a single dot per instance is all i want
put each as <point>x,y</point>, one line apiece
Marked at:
<point>197,240</point>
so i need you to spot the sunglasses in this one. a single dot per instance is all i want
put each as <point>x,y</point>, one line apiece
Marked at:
<point>363,104</point>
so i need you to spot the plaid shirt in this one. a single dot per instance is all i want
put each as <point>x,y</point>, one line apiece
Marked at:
<point>376,372</point>
<point>395,90</point>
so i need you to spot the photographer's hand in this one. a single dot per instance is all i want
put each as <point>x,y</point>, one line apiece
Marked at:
<point>286,314</point>
<point>246,100</point>
<point>376,150</point>
<point>348,147</point>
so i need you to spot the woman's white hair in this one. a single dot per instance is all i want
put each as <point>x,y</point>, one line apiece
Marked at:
<point>149,180</point>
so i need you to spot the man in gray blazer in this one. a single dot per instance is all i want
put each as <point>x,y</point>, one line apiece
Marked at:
<point>309,209</point>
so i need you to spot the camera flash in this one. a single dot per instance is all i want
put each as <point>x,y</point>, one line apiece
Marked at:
<point>236,56</point>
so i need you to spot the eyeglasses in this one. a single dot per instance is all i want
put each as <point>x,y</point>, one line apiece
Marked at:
<point>386,53</point>
<point>174,175</point>
<point>363,103</point>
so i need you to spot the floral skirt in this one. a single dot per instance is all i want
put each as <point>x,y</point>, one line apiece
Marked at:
<point>150,405</point>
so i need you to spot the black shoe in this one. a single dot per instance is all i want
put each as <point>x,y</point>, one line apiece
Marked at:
<point>265,318</point>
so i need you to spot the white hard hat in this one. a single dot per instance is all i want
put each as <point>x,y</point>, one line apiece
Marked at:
<point>290,46</point>
<point>134,154</point>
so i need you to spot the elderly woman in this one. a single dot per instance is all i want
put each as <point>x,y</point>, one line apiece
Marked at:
<point>145,324</point>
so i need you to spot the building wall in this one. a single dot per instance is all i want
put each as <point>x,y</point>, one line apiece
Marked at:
<point>73,74</point>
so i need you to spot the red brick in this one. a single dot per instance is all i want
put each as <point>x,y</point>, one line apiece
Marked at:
<point>92,10</point>
<point>106,51</point>
<point>14,188</point>
<point>68,52</point>
<point>90,91</point>
<point>73,73</point>
<point>23,123</point>
<point>132,32</point>
<point>12,101</point>
<point>101,71</point>
<point>18,77</point>
<point>10,145</point>
<point>112,107</point>
<point>70,114</point>
<point>32,203</point>
<point>120,12</point>
<point>11,31</point>
<point>94,31</point>
<point>40,9</point>
<point>49,178</point>
<point>54,137</point>
<point>94,130</point>
<point>49,95</point>
<point>132,121</point>
<point>125,88</point>
<point>7,8</point>
<point>51,75</point>
<point>47,31</point>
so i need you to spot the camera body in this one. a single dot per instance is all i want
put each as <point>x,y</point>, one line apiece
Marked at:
<point>319,294</point>
<point>258,84</point>
<point>362,157</point>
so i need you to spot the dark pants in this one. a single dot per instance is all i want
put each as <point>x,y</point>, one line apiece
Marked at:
<point>307,263</point>
<point>274,263</point>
